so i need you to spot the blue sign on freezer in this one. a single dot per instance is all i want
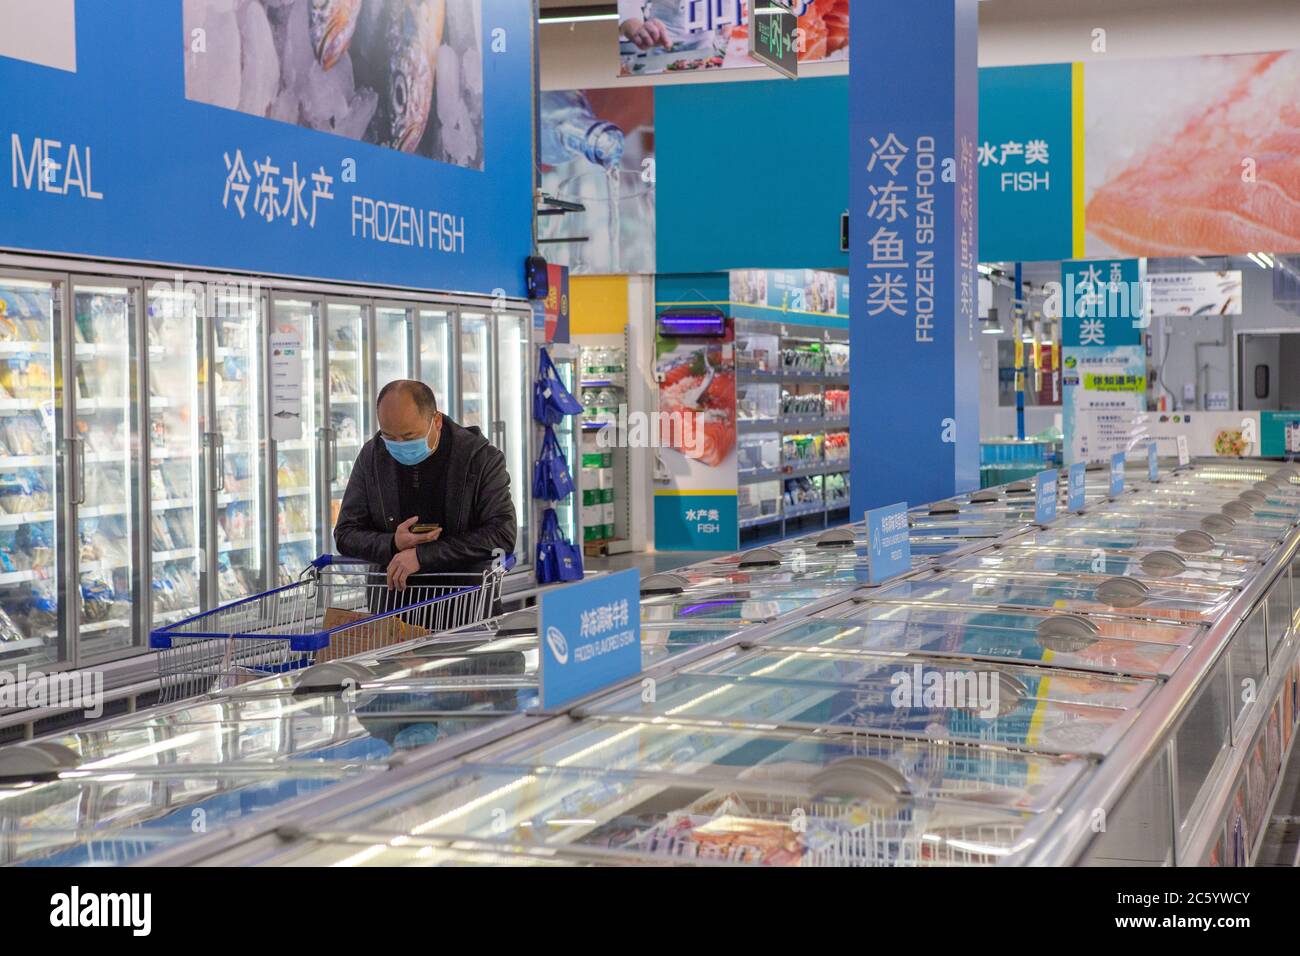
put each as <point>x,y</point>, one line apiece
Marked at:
<point>1117,474</point>
<point>1153,463</point>
<point>1045,496</point>
<point>889,542</point>
<point>590,636</point>
<point>1077,498</point>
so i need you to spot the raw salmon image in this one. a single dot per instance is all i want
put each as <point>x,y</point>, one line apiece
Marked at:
<point>1169,179</point>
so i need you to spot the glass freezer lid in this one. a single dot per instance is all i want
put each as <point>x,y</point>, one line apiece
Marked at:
<point>1079,594</point>
<point>744,605</point>
<point>1176,524</point>
<point>1157,564</point>
<point>1061,640</point>
<point>1193,543</point>
<point>114,817</point>
<point>931,768</point>
<point>858,813</point>
<point>368,725</point>
<point>1023,707</point>
<point>1243,514</point>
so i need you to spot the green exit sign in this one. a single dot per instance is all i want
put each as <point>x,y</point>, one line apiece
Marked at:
<point>774,36</point>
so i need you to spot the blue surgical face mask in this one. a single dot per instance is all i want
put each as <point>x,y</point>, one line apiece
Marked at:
<point>410,452</point>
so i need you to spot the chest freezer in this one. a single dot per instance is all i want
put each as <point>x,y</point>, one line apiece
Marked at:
<point>1118,596</point>
<point>116,816</point>
<point>1174,524</point>
<point>1029,637</point>
<point>1160,564</point>
<point>734,605</point>
<point>1193,543</point>
<point>1026,707</point>
<point>617,795</point>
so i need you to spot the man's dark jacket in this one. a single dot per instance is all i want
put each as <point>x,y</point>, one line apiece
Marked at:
<point>478,513</point>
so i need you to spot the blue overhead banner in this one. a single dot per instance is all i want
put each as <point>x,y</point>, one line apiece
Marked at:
<point>913,212</point>
<point>1026,163</point>
<point>371,142</point>
<point>750,175</point>
<point>1101,303</point>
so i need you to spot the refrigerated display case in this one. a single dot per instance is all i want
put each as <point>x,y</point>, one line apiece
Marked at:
<point>33,442</point>
<point>178,481</point>
<point>238,532</point>
<point>300,532</point>
<point>436,355</point>
<point>107,490</point>
<point>476,371</point>
<point>151,487</point>
<point>394,330</point>
<point>350,397</point>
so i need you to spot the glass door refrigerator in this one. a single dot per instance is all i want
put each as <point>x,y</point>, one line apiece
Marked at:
<point>512,409</point>
<point>350,398</point>
<point>435,355</point>
<point>475,355</point>
<point>34,448</point>
<point>238,503</point>
<point>297,413</point>
<point>177,479</point>
<point>394,334</point>
<point>107,490</point>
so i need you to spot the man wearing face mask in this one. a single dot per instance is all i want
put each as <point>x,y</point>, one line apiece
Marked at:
<point>425,495</point>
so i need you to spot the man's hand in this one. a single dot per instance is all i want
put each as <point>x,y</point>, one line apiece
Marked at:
<point>646,33</point>
<point>405,539</point>
<point>402,567</point>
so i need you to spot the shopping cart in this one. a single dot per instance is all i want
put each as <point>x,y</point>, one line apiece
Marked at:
<point>339,607</point>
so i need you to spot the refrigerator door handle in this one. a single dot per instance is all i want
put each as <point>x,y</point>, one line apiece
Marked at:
<point>499,429</point>
<point>77,449</point>
<point>217,442</point>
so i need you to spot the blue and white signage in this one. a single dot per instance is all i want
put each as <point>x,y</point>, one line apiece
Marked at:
<point>342,141</point>
<point>1117,474</point>
<point>913,214</point>
<point>590,636</point>
<point>1153,464</point>
<point>1045,496</point>
<point>1078,487</point>
<point>889,542</point>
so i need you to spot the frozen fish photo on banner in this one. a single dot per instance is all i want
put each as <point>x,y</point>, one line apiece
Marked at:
<point>676,36</point>
<point>406,74</point>
<point>1203,161</point>
<point>597,150</point>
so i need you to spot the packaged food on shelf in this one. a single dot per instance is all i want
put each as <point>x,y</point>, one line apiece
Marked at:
<point>759,451</point>
<point>836,447</point>
<point>837,402</point>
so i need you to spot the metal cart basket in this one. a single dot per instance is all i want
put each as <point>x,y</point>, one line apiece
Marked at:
<point>338,607</point>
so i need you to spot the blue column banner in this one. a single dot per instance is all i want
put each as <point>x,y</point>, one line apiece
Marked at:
<point>1117,474</point>
<point>590,636</point>
<point>913,212</point>
<point>1077,499</point>
<point>1045,494</point>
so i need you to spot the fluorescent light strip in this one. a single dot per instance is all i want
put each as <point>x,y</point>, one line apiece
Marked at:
<point>577,18</point>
